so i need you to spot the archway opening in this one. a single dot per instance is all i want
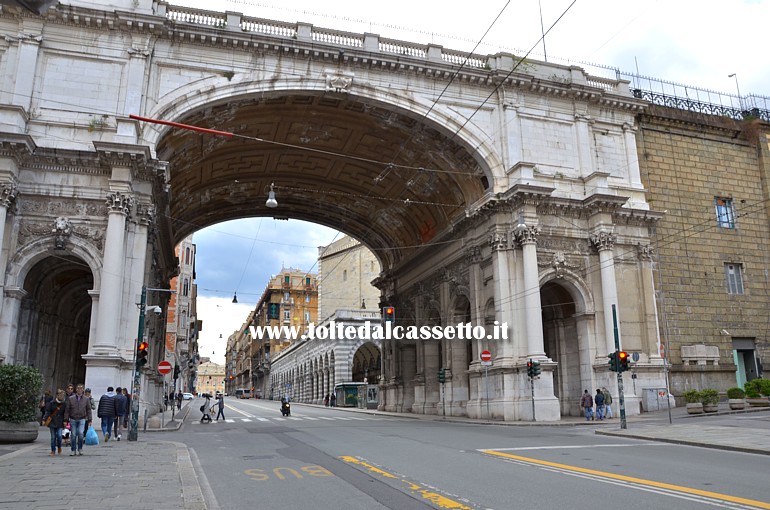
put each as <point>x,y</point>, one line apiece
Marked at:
<point>367,364</point>
<point>561,342</point>
<point>55,319</point>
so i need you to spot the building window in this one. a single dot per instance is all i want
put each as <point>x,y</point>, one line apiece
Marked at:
<point>734,275</point>
<point>345,275</point>
<point>287,315</point>
<point>187,256</point>
<point>307,298</point>
<point>307,281</point>
<point>307,316</point>
<point>286,296</point>
<point>186,287</point>
<point>725,212</point>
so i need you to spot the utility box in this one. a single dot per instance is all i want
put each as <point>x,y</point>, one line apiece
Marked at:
<point>654,399</point>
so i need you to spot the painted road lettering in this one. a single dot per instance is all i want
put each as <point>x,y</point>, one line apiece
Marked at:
<point>284,473</point>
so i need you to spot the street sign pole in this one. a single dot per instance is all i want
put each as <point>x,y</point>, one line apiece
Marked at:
<point>133,430</point>
<point>486,384</point>
<point>623,424</point>
<point>532,393</point>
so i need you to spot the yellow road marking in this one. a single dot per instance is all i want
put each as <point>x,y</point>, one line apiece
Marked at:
<point>641,481</point>
<point>434,497</point>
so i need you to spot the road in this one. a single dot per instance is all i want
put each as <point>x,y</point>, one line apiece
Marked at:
<point>328,458</point>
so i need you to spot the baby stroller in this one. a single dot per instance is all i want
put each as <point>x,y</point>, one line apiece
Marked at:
<point>206,418</point>
<point>65,434</point>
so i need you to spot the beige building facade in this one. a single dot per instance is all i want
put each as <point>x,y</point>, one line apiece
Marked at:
<point>346,270</point>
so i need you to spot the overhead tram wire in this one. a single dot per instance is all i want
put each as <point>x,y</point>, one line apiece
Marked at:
<point>515,67</point>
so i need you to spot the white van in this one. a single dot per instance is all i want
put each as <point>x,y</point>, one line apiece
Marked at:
<point>243,393</point>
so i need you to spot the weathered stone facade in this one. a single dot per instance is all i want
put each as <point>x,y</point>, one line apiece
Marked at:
<point>346,269</point>
<point>689,161</point>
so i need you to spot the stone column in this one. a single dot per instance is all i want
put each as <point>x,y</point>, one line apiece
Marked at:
<point>504,302</point>
<point>604,242</point>
<point>527,238</point>
<point>7,198</point>
<point>583,139</point>
<point>145,220</point>
<point>9,322</point>
<point>113,264</point>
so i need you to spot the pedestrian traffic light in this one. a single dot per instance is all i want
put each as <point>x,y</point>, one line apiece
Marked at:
<point>535,368</point>
<point>622,361</point>
<point>388,314</point>
<point>442,375</point>
<point>141,354</point>
<point>176,371</point>
<point>613,361</point>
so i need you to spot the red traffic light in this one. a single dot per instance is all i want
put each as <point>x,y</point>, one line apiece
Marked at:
<point>623,356</point>
<point>143,346</point>
<point>389,311</point>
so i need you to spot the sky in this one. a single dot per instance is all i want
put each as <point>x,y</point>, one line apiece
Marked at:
<point>695,43</point>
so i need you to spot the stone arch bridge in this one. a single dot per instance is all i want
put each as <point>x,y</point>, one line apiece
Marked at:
<point>493,191</point>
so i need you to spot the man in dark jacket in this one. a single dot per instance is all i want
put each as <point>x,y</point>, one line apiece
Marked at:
<point>121,408</point>
<point>106,412</point>
<point>78,412</point>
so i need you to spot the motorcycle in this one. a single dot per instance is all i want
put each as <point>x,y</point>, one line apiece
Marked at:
<point>285,408</point>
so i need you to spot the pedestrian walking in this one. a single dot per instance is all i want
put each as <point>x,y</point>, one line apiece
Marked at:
<point>106,412</point>
<point>44,401</point>
<point>128,407</point>
<point>333,400</point>
<point>599,400</point>
<point>77,412</point>
<point>587,403</point>
<point>179,398</point>
<point>70,391</point>
<point>221,405</point>
<point>53,417</point>
<point>120,410</point>
<point>607,402</point>
<point>326,400</point>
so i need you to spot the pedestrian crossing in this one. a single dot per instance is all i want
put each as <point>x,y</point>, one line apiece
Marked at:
<point>276,419</point>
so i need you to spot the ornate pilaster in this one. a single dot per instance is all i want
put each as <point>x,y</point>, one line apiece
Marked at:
<point>8,194</point>
<point>604,242</point>
<point>118,202</point>
<point>646,252</point>
<point>526,235</point>
<point>498,240</point>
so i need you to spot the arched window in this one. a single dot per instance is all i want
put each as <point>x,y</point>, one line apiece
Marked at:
<point>186,287</point>
<point>187,256</point>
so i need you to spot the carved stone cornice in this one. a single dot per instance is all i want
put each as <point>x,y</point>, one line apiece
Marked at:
<point>136,157</point>
<point>17,147</point>
<point>603,240</point>
<point>527,194</point>
<point>526,234</point>
<point>119,203</point>
<point>603,203</point>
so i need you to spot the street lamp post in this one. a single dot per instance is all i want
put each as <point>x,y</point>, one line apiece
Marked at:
<point>740,101</point>
<point>133,430</point>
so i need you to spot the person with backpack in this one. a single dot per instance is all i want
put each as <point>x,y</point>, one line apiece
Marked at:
<point>599,400</point>
<point>106,412</point>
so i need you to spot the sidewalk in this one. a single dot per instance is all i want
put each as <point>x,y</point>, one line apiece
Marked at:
<point>149,473</point>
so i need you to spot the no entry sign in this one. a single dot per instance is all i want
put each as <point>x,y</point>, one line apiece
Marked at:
<point>164,367</point>
<point>486,356</point>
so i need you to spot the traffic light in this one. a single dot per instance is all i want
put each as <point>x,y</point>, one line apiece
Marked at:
<point>141,354</point>
<point>442,375</point>
<point>535,368</point>
<point>613,361</point>
<point>176,371</point>
<point>530,369</point>
<point>388,314</point>
<point>622,361</point>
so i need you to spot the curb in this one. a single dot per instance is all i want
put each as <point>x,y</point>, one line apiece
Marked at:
<point>181,416</point>
<point>684,442</point>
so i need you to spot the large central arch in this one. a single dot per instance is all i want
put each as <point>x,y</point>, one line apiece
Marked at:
<point>328,156</point>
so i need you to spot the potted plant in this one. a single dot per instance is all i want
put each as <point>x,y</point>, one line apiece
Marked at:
<point>694,405</point>
<point>735,396</point>
<point>755,389</point>
<point>19,397</point>
<point>709,397</point>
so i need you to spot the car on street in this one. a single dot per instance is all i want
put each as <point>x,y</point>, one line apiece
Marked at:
<point>187,396</point>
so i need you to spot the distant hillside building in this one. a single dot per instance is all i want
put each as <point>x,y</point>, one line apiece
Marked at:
<point>211,378</point>
<point>346,269</point>
<point>181,319</point>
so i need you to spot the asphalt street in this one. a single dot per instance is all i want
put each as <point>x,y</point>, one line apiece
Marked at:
<point>329,458</point>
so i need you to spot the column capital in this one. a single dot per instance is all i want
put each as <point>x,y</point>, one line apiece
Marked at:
<point>8,194</point>
<point>646,252</point>
<point>526,234</point>
<point>119,203</point>
<point>603,240</point>
<point>498,240</point>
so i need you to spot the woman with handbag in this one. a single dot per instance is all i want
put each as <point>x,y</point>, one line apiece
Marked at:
<point>54,420</point>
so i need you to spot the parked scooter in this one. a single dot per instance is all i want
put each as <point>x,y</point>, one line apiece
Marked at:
<point>285,408</point>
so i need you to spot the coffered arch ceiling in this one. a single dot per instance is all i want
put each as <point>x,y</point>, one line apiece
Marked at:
<point>329,161</point>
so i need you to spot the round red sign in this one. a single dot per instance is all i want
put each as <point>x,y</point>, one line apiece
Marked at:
<point>486,355</point>
<point>164,367</point>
